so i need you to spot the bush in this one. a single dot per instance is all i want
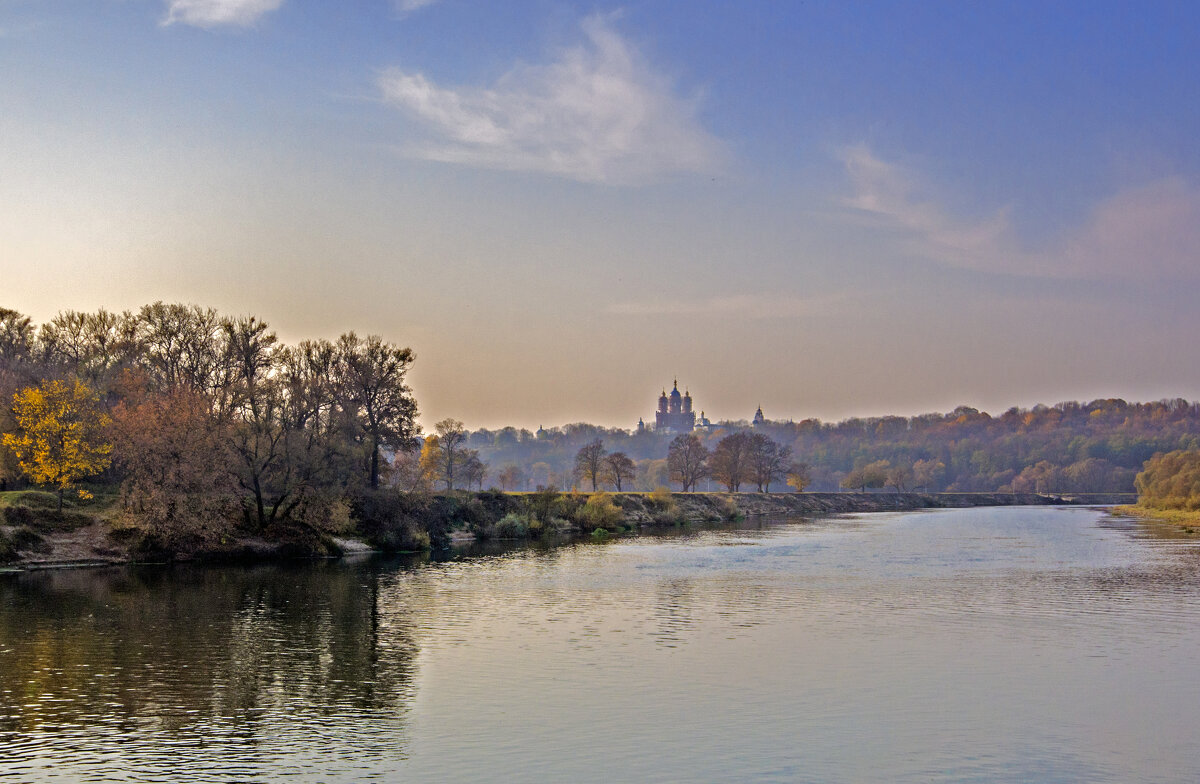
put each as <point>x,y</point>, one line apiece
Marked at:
<point>47,519</point>
<point>18,515</point>
<point>7,551</point>
<point>513,526</point>
<point>25,538</point>
<point>570,505</point>
<point>600,512</point>
<point>661,500</point>
<point>728,509</point>
<point>544,504</point>
<point>398,522</point>
<point>38,499</point>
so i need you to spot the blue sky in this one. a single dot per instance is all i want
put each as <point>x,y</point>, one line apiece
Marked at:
<point>826,208</point>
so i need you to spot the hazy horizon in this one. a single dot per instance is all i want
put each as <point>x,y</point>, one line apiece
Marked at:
<point>825,210</point>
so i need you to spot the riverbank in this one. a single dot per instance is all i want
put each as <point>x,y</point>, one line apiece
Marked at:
<point>440,521</point>
<point>1181,520</point>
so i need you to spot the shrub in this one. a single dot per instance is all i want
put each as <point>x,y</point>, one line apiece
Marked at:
<point>66,520</point>
<point>512,526</point>
<point>7,551</point>
<point>600,512</point>
<point>729,510</point>
<point>544,503</point>
<point>661,500</point>
<point>398,522</point>
<point>25,538</point>
<point>18,515</point>
<point>38,499</point>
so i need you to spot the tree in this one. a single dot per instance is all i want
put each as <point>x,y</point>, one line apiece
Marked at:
<point>687,460</point>
<point>407,474</point>
<point>928,474</point>
<point>731,462</point>
<point>769,461</point>
<point>182,345</point>
<point>899,476</point>
<point>448,452</point>
<point>177,480</point>
<point>799,476</point>
<point>474,470</point>
<point>1171,481</point>
<point>16,339</point>
<point>373,379</point>
<point>61,434</point>
<point>618,468</point>
<point>510,477</point>
<point>870,475</point>
<point>589,461</point>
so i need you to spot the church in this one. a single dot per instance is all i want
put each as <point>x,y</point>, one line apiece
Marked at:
<point>675,414</point>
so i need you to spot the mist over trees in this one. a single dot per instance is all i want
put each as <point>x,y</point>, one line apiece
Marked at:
<point>1098,446</point>
<point>214,421</point>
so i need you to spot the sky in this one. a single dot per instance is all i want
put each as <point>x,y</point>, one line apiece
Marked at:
<point>827,209</point>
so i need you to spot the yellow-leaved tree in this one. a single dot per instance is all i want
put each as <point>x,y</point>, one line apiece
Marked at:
<point>60,436</point>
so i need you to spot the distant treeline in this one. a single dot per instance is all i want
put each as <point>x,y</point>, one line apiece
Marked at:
<point>1094,447</point>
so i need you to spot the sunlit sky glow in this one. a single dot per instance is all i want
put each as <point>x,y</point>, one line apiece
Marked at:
<point>824,208</point>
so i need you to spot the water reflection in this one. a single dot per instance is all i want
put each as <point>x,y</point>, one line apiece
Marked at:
<point>240,665</point>
<point>960,645</point>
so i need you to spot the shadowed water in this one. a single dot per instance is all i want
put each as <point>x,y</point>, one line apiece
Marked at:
<point>960,645</point>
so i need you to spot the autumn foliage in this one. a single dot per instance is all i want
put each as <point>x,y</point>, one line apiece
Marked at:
<point>61,436</point>
<point>1171,481</point>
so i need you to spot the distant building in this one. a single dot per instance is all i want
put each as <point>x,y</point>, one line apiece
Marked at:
<point>675,413</point>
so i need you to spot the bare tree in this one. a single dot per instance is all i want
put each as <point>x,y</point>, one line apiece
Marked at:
<point>687,461</point>
<point>589,462</point>
<point>451,454</point>
<point>731,460</point>
<point>618,467</point>
<point>769,461</point>
<point>510,477</point>
<point>373,375</point>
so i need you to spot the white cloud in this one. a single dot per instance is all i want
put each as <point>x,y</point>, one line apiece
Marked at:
<point>598,113</point>
<point>215,13</point>
<point>1152,230</point>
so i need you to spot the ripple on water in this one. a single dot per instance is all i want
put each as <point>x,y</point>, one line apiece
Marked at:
<point>956,645</point>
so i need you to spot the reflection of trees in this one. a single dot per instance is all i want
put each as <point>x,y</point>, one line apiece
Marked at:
<point>181,650</point>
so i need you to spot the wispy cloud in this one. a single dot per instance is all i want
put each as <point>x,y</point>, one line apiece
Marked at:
<point>217,13</point>
<point>1149,230</point>
<point>406,7</point>
<point>763,305</point>
<point>598,113</point>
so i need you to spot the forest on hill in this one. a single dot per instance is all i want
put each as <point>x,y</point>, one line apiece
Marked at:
<point>1098,446</point>
<point>195,425</point>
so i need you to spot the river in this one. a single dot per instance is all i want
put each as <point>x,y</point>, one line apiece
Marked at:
<point>972,645</point>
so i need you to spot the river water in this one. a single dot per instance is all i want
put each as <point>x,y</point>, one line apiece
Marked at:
<point>989,645</point>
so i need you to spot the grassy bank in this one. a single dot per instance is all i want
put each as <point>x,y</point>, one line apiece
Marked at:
<point>1188,522</point>
<point>33,532</point>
